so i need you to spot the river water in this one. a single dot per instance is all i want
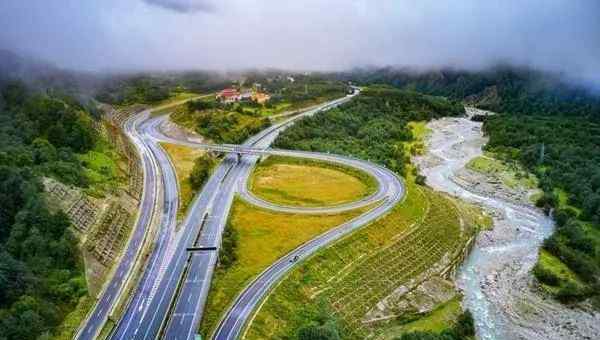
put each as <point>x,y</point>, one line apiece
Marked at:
<point>495,278</point>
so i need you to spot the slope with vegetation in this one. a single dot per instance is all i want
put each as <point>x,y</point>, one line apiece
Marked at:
<point>392,273</point>
<point>373,126</point>
<point>223,123</point>
<point>568,167</point>
<point>253,239</point>
<point>41,270</point>
<point>551,127</point>
<point>235,122</point>
<point>500,89</point>
<point>123,90</point>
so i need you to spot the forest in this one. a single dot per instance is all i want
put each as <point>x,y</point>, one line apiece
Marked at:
<point>41,272</point>
<point>372,126</point>
<point>567,164</point>
<point>503,88</point>
<point>153,88</point>
<point>222,123</point>
<point>549,125</point>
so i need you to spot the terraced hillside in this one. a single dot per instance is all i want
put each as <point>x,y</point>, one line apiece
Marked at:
<point>368,281</point>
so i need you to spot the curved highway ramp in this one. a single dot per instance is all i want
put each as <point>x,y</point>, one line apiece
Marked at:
<point>170,296</point>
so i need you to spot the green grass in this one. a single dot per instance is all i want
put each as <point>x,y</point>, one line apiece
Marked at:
<point>353,274</point>
<point>437,320</point>
<point>563,200</point>
<point>510,174</point>
<point>558,268</point>
<point>104,169</point>
<point>419,131</point>
<point>303,182</point>
<point>68,328</point>
<point>183,158</point>
<point>263,237</point>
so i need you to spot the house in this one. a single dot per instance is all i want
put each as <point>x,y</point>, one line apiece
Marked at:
<point>229,95</point>
<point>246,95</point>
<point>260,97</point>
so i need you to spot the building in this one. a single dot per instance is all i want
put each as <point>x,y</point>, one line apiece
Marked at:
<point>246,95</point>
<point>260,97</point>
<point>229,95</point>
<point>232,95</point>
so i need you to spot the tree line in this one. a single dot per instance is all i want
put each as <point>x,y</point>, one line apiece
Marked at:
<point>372,126</point>
<point>41,272</point>
<point>564,153</point>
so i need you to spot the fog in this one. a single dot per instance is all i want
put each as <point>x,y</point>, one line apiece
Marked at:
<point>113,35</point>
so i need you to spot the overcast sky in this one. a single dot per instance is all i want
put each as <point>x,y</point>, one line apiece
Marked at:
<point>560,35</point>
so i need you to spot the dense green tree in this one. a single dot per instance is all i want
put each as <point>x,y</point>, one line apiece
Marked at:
<point>372,126</point>
<point>41,278</point>
<point>327,331</point>
<point>201,171</point>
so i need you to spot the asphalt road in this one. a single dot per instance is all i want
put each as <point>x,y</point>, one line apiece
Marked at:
<point>172,271</point>
<point>390,192</point>
<point>169,299</point>
<point>111,291</point>
<point>193,292</point>
<point>155,179</point>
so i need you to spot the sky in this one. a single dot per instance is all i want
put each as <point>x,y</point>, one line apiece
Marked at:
<point>557,35</point>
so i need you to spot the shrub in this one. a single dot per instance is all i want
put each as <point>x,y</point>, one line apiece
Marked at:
<point>328,331</point>
<point>545,276</point>
<point>420,179</point>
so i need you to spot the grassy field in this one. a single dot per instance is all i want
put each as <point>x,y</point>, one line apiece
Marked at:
<point>551,263</point>
<point>104,169</point>
<point>511,174</point>
<point>299,182</point>
<point>419,131</point>
<point>183,158</point>
<point>436,321</point>
<point>263,237</point>
<point>353,275</point>
<point>73,320</point>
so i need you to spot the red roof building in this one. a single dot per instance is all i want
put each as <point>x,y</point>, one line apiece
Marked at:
<point>228,95</point>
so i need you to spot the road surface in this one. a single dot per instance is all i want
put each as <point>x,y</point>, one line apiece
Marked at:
<point>187,311</point>
<point>170,297</point>
<point>156,179</point>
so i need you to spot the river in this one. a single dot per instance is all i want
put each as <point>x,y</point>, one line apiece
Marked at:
<point>495,278</point>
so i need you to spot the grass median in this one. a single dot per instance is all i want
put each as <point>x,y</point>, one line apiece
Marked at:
<point>183,159</point>
<point>261,237</point>
<point>309,183</point>
<point>345,281</point>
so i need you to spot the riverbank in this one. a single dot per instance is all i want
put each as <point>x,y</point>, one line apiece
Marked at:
<point>496,280</point>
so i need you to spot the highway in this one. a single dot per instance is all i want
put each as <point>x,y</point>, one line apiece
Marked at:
<point>170,296</point>
<point>182,290</point>
<point>99,315</point>
<point>158,178</point>
<point>194,290</point>
<point>390,192</point>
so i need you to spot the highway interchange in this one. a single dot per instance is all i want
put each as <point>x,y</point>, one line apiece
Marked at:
<point>170,296</point>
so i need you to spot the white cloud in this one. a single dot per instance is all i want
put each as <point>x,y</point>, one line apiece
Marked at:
<point>557,35</point>
<point>184,6</point>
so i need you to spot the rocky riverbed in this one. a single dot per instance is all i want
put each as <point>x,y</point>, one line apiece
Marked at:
<point>496,280</point>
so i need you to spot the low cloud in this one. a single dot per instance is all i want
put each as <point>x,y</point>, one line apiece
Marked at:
<point>562,36</point>
<point>184,6</point>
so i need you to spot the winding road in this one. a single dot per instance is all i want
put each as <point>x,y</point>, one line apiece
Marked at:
<point>170,296</point>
